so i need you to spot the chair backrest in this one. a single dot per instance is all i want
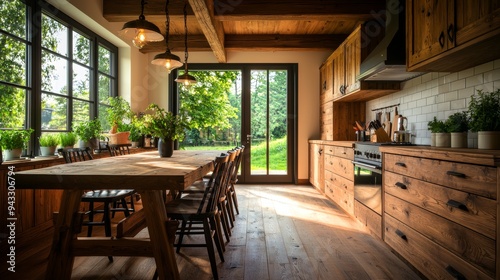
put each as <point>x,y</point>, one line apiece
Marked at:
<point>75,154</point>
<point>118,149</point>
<point>215,183</point>
<point>237,162</point>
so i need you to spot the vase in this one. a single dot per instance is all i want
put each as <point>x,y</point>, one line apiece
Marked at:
<point>165,147</point>
<point>47,151</point>
<point>433,139</point>
<point>12,154</point>
<point>459,139</point>
<point>443,140</point>
<point>489,140</point>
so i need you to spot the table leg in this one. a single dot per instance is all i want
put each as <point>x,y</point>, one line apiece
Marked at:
<point>61,259</point>
<point>163,251</point>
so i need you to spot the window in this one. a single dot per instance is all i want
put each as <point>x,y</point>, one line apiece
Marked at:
<point>52,79</point>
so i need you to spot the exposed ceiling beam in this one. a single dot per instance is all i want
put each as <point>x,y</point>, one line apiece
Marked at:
<point>252,43</point>
<point>154,10</point>
<point>213,30</point>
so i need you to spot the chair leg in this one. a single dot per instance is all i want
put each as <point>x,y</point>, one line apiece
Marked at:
<point>218,231</point>
<point>91,219</point>
<point>235,199</point>
<point>229,211</point>
<point>230,208</point>
<point>217,239</point>
<point>181,235</point>
<point>225,224</point>
<point>125,205</point>
<point>210,248</point>
<point>107,224</point>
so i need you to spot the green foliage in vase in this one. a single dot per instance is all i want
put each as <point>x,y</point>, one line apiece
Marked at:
<point>48,140</point>
<point>458,122</point>
<point>163,124</point>
<point>14,139</point>
<point>67,139</point>
<point>119,112</point>
<point>87,130</point>
<point>484,111</point>
<point>436,126</point>
<point>136,128</point>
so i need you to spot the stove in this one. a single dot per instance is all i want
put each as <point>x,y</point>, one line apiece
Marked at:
<point>369,153</point>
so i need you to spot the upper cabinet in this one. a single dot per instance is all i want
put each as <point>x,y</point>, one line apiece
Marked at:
<point>326,81</point>
<point>449,36</point>
<point>345,66</point>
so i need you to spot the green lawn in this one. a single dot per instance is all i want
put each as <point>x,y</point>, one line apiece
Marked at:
<point>277,155</point>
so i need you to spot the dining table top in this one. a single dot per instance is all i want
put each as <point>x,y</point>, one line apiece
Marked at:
<point>141,171</point>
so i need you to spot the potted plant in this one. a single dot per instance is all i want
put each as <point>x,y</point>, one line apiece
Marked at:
<point>136,129</point>
<point>440,136</point>
<point>88,132</point>
<point>118,115</point>
<point>458,125</point>
<point>48,144</point>
<point>67,139</point>
<point>166,126</point>
<point>484,113</point>
<point>13,142</point>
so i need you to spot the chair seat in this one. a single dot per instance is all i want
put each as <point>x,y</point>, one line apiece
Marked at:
<point>186,209</point>
<point>106,195</point>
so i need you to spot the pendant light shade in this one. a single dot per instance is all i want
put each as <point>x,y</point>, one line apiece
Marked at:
<point>186,79</point>
<point>167,59</point>
<point>141,31</point>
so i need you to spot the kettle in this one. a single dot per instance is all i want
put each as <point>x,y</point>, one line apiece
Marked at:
<point>402,123</point>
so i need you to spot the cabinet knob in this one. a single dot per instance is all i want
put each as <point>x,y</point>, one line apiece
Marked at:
<point>454,273</point>
<point>401,234</point>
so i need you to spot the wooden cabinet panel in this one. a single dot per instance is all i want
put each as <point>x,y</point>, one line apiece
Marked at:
<point>449,36</point>
<point>474,212</point>
<point>430,259</point>
<point>369,218</point>
<point>468,244</point>
<point>326,81</point>
<point>338,59</point>
<point>340,166</point>
<point>326,121</point>
<point>340,190</point>
<point>475,179</point>
<point>352,51</point>
<point>344,152</point>
<point>316,166</point>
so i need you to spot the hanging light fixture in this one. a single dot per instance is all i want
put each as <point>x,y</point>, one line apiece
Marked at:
<point>185,78</point>
<point>142,30</point>
<point>167,59</point>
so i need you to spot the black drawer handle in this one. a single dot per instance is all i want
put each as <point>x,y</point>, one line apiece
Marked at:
<point>401,234</point>
<point>402,164</point>
<point>451,33</point>
<point>401,185</point>
<point>320,151</point>
<point>441,39</point>
<point>454,273</point>
<point>456,204</point>
<point>456,174</point>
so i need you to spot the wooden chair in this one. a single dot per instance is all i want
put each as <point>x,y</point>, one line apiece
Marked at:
<point>202,214</point>
<point>104,196</point>
<point>120,150</point>
<point>232,198</point>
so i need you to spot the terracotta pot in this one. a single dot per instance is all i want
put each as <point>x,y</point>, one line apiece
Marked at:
<point>459,140</point>
<point>489,140</point>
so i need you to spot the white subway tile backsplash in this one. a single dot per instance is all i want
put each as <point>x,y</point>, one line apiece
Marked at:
<point>474,80</point>
<point>439,94</point>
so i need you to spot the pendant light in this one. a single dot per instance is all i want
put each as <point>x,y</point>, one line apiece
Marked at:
<point>141,31</point>
<point>185,78</point>
<point>167,59</point>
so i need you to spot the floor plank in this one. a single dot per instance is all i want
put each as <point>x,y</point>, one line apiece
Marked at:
<point>282,232</point>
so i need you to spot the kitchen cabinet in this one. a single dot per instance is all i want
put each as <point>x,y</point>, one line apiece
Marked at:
<point>440,210</point>
<point>339,176</point>
<point>449,36</point>
<point>326,81</point>
<point>316,166</point>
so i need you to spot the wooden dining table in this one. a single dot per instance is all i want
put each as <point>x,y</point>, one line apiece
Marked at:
<point>147,173</point>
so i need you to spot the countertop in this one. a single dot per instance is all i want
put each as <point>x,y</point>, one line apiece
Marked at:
<point>347,144</point>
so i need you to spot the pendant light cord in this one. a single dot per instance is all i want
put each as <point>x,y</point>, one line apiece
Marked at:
<point>142,17</point>
<point>167,23</point>
<point>185,37</point>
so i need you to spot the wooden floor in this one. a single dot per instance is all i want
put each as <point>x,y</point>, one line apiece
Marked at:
<point>282,232</point>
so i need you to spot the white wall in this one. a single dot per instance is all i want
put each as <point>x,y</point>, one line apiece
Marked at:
<point>440,95</point>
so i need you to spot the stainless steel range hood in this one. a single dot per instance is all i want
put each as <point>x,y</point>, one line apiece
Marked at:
<point>387,61</point>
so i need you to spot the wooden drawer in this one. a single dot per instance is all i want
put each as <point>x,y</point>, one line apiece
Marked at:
<point>475,179</point>
<point>344,152</point>
<point>339,166</point>
<point>472,211</point>
<point>369,218</point>
<point>329,150</point>
<point>429,258</point>
<point>468,244</point>
<point>340,191</point>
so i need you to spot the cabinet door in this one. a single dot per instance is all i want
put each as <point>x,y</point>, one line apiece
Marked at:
<point>326,121</point>
<point>338,72</point>
<point>352,61</point>
<point>326,80</point>
<point>426,27</point>
<point>316,166</point>
<point>474,18</point>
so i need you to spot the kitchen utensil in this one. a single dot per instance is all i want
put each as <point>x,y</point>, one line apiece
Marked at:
<point>387,123</point>
<point>402,123</point>
<point>378,116</point>
<point>395,120</point>
<point>402,137</point>
<point>360,125</point>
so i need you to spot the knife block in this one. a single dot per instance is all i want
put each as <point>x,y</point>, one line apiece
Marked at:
<point>379,136</point>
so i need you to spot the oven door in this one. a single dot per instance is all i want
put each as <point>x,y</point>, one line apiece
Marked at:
<point>368,185</point>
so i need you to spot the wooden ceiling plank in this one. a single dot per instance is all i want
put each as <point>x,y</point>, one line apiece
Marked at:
<point>176,44</point>
<point>154,10</point>
<point>284,42</point>
<point>213,30</point>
